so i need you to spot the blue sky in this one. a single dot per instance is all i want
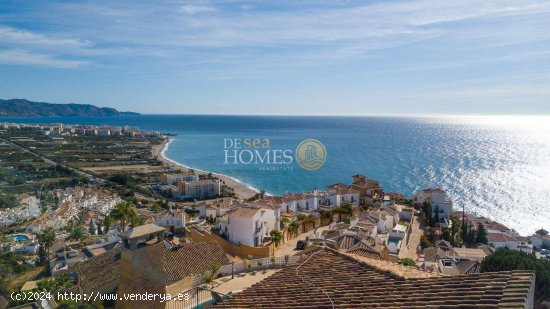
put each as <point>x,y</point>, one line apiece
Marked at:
<point>280,57</point>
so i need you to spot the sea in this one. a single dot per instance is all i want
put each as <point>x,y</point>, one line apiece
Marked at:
<point>493,166</point>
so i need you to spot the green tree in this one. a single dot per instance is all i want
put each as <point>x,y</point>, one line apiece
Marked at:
<point>99,228</point>
<point>504,259</point>
<point>347,206</point>
<point>47,239</point>
<point>446,236</point>
<point>455,230</point>
<point>76,233</point>
<point>293,227</point>
<point>42,256</point>
<point>424,242</point>
<point>408,262</point>
<point>481,234</point>
<point>276,237</point>
<point>124,214</point>
<point>327,214</point>
<point>427,210</point>
<point>436,216</point>
<point>91,228</point>
<point>107,222</point>
<point>470,236</point>
<point>284,221</point>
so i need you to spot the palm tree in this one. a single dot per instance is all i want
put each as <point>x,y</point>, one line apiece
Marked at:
<point>76,234</point>
<point>46,240</point>
<point>124,213</point>
<point>293,227</point>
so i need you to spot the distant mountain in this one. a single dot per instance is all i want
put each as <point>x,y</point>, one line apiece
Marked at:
<point>26,108</point>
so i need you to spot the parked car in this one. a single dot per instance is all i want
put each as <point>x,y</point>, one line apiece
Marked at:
<point>300,245</point>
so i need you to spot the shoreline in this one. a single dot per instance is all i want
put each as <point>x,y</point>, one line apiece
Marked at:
<point>241,189</point>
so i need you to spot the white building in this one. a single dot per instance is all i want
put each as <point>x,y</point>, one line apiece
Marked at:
<point>438,199</point>
<point>200,189</point>
<point>104,132</point>
<point>399,231</point>
<point>28,207</point>
<point>171,220</point>
<point>250,226</point>
<point>339,194</point>
<point>217,208</point>
<point>172,179</point>
<point>500,240</point>
<point>541,239</point>
<point>305,202</point>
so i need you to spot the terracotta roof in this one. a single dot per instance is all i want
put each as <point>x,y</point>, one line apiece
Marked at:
<point>500,237</point>
<point>179,262</point>
<point>472,253</point>
<point>192,259</point>
<point>368,253</point>
<point>468,267</point>
<point>327,279</point>
<point>245,212</point>
<point>488,250</point>
<point>99,271</point>
<point>434,254</point>
<point>347,242</point>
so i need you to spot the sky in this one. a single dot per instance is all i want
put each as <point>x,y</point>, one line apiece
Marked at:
<point>280,57</point>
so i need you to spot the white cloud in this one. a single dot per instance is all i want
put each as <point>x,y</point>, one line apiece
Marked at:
<point>13,36</point>
<point>22,57</point>
<point>286,32</point>
<point>197,9</point>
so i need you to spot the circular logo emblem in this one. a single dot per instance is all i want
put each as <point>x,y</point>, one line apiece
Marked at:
<point>311,154</point>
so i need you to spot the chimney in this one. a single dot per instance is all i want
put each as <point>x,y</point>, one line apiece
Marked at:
<point>142,266</point>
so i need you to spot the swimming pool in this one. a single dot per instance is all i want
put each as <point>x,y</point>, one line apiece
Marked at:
<point>19,237</point>
<point>394,240</point>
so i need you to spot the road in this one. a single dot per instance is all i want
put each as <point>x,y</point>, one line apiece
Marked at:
<point>290,246</point>
<point>410,250</point>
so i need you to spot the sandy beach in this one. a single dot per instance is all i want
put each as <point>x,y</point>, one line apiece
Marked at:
<point>241,190</point>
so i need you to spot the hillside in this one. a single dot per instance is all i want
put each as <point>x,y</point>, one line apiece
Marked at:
<point>25,108</point>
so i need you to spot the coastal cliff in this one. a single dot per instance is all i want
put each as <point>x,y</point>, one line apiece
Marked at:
<point>26,108</point>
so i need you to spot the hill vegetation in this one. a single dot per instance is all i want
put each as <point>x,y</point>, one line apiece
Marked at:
<point>506,259</point>
<point>26,108</point>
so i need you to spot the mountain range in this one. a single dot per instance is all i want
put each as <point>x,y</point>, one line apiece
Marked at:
<point>26,108</point>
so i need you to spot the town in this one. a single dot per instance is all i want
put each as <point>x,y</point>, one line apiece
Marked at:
<point>97,209</point>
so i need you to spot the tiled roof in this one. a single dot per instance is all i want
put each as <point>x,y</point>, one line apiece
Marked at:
<point>327,279</point>
<point>367,252</point>
<point>179,262</point>
<point>433,254</point>
<point>99,271</point>
<point>471,253</point>
<point>488,250</point>
<point>468,267</point>
<point>244,212</point>
<point>500,237</point>
<point>192,259</point>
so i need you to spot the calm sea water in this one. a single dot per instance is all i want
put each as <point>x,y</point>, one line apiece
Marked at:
<point>493,166</point>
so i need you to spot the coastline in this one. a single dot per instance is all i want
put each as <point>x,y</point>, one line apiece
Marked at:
<point>241,189</point>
